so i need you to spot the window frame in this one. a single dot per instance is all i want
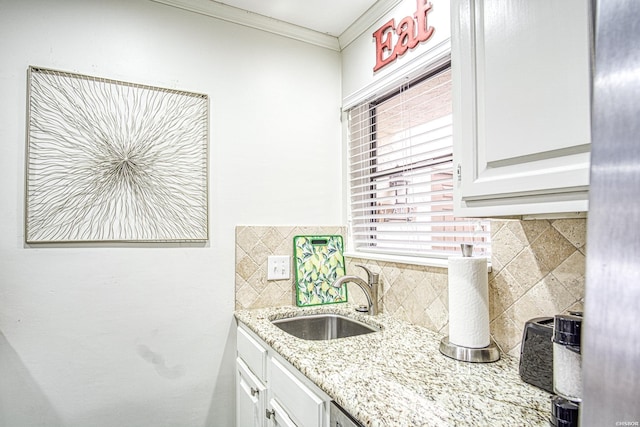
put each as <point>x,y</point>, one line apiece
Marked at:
<point>371,105</point>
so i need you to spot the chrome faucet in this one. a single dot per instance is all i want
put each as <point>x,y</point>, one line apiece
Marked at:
<point>370,287</point>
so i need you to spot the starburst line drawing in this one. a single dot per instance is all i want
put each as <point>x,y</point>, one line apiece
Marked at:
<point>114,161</point>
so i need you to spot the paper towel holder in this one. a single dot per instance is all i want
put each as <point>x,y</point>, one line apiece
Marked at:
<point>486,354</point>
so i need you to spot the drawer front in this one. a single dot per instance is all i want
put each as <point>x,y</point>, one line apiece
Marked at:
<point>253,354</point>
<point>304,406</point>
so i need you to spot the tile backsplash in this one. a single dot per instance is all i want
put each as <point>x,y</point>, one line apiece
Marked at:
<point>538,270</point>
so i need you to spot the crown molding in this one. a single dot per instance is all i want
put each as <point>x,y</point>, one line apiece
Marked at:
<point>254,20</point>
<point>366,20</point>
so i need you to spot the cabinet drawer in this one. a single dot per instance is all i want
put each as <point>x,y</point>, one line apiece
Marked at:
<point>253,353</point>
<point>304,406</point>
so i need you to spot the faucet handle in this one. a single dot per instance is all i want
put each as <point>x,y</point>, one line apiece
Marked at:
<point>372,278</point>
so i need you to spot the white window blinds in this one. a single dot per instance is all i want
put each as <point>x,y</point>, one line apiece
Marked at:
<point>401,174</point>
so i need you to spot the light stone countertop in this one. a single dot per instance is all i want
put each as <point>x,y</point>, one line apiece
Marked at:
<point>398,377</point>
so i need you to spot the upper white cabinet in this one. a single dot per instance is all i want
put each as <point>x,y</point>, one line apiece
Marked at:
<point>522,79</point>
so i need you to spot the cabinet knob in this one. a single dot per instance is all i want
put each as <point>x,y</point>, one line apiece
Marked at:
<point>270,413</point>
<point>254,391</point>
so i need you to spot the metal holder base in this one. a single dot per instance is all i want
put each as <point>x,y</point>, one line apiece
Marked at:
<point>486,354</point>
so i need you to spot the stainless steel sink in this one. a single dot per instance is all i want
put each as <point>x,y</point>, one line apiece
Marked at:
<point>323,327</point>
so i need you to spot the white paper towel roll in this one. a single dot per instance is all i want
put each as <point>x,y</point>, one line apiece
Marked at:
<point>468,302</point>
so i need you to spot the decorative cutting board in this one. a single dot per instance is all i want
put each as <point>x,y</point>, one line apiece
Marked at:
<point>318,263</point>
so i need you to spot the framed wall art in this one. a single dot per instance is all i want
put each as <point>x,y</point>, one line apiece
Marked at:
<point>110,161</point>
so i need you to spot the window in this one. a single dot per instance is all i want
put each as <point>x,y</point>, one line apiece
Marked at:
<point>401,174</point>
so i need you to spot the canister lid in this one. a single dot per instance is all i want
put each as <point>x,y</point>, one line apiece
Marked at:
<point>564,413</point>
<point>566,330</point>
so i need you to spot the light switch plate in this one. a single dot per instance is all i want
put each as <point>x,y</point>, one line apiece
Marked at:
<point>278,267</point>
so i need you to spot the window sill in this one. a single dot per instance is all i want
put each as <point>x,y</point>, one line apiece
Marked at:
<point>399,259</point>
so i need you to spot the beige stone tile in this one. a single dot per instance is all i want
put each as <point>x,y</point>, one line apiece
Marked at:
<point>260,230</point>
<point>390,304</point>
<point>532,229</point>
<point>415,309</point>
<point>245,297</point>
<point>550,297</point>
<point>258,280</point>
<point>571,273</point>
<point>260,253</point>
<point>401,290</point>
<point>504,290</point>
<point>505,332</point>
<point>239,283</point>
<point>246,238</point>
<point>284,299</point>
<point>523,310</point>
<point>412,278</point>
<point>551,249</point>
<point>445,329</point>
<point>496,225</point>
<point>439,283</point>
<point>293,232</point>
<point>246,267</point>
<point>583,250</point>
<point>424,293</point>
<point>240,254</point>
<point>272,239</point>
<point>505,246</point>
<point>284,248</point>
<point>402,314</point>
<point>574,230</point>
<point>271,297</point>
<point>285,231</point>
<point>496,266</point>
<point>526,269</point>
<point>390,272</point>
<point>444,300</point>
<point>438,315</point>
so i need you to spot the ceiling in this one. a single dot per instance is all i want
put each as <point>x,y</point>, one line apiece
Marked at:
<point>331,17</point>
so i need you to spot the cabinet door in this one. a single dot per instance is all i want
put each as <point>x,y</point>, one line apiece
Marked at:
<point>301,403</point>
<point>277,416</point>
<point>522,77</point>
<point>250,397</point>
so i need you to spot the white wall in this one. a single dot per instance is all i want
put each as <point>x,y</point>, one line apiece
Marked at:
<point>142,335</point>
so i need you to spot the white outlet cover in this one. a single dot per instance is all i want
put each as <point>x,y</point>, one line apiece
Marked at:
<point>278,267</point>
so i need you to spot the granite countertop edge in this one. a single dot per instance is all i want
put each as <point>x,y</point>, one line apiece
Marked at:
<point>398,377</point>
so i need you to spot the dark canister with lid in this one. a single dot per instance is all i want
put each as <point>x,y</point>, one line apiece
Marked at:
<point>567,360</point>
<point>564,413</point>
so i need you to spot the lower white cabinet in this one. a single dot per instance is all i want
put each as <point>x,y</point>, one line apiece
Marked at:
<point>270,392</point>
<point>278,416</point>
<point>250,397</point>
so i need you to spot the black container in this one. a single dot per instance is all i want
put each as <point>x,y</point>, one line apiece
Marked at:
<point>564,413</point>
<point>536,353</point>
